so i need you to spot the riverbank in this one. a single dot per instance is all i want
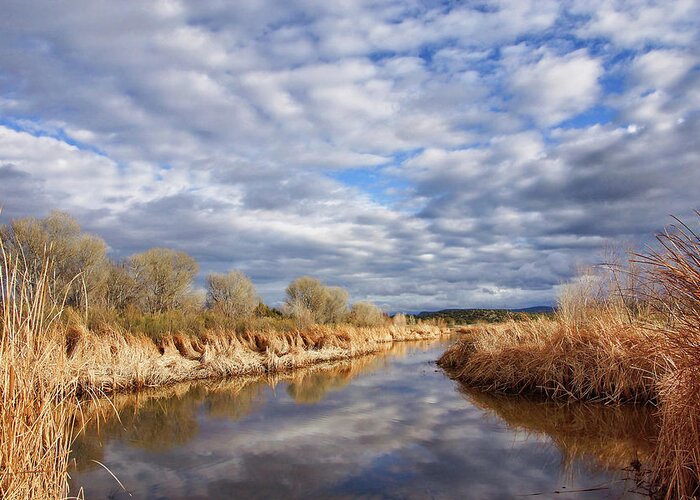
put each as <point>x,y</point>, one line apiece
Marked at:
<point>603,359</point>
<point>50,369</point>
<point>629,336</point>
<point>112,361</point>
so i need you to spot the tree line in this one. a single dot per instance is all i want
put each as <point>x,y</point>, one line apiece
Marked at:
<point>157,280</point>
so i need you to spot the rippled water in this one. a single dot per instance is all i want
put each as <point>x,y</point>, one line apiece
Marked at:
<point>391,425</point>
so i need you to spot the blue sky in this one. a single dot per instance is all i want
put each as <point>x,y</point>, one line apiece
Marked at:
<point>422,154</point>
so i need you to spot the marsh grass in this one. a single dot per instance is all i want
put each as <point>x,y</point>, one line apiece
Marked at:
<point>637,341</point>
<point>604,359</point>
<point>675,271</point>
<point>36,418</point>
<point>114,360</point>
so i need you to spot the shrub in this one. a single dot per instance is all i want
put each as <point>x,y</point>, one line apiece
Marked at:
<point>366,314</point>
<point>232,294</point>
<point>78,264</point>
<point>164,277</point>
<point>311,301</point>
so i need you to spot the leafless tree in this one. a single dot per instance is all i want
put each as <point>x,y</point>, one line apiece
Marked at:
<point>79,267</point>
<point>307,297</point>
<point>164,278</point>
<point>232,294</point>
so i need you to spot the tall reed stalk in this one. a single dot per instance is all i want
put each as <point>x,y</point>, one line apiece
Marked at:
<point>36,415</point>
<point>675,270</point>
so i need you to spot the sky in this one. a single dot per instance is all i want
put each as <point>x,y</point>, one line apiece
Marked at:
<point>421,154</point>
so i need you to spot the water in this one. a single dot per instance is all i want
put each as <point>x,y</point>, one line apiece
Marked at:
<point>390,425</point>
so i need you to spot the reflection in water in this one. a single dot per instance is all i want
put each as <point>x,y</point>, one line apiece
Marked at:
<point>383,426</point>
<point>159,419</point>
<point>599,437</point>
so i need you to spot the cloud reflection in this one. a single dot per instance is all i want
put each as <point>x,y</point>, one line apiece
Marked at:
<point>387,426</point>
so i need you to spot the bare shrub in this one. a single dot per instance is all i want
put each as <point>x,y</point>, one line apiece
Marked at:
<point>164,277</point>
<point>335,309</point>
<point>78,262</point>
<point>399,319</point>
<point>122,289</point>
<point>307,296</point>
<point>366,314</point>
<point>232,294</point>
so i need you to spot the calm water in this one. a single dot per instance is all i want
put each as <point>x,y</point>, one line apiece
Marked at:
<point>385,426</point>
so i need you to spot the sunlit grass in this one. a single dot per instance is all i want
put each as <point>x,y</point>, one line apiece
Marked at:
<point>638,343</point>
<point>38,404</point>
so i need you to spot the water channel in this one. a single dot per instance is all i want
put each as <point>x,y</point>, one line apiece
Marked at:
<point>389,425</point>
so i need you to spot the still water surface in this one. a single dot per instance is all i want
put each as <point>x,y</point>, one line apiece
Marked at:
<point>390,425</point>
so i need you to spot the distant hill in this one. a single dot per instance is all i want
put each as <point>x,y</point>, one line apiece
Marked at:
<point>536,310</point>
<point>469,316</point>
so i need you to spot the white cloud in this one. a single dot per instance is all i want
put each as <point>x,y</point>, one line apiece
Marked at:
<point>556,87</point>
<point>662,69</point>
<point>633,23</point>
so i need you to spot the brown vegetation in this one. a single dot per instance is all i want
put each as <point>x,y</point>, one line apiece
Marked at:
<point>36,413</point>
<point>632,337</point>
<point>603,359</point>
<point>112,360</point>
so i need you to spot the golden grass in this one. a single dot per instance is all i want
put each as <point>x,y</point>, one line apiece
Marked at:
<point>115,361</point>
<point>37,410</point>
<point>675,271</point>
<point>603,359</point>
<point>639,344</point>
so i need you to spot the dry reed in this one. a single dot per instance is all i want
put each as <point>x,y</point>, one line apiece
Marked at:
<point>603,359</point>
<point>37,406</point>
<point>675,271</point>
<point>639,344</point>
<point>113,360</point>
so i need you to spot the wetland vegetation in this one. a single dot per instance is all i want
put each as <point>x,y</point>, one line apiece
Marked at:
<point>621,334</point>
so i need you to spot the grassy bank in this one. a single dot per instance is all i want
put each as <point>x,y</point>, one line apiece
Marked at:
<point>628,335</point>
<point>114,361</point>
<point>601,359</point>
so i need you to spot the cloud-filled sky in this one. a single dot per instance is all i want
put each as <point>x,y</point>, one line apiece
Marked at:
<point>422,154</point>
